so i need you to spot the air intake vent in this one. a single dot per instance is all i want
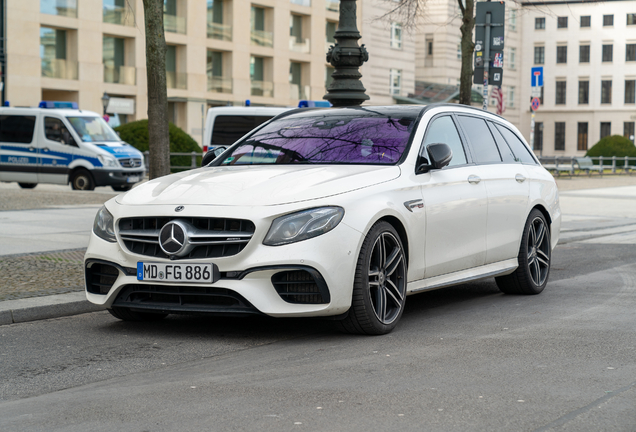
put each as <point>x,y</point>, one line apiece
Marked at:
<point>301,287</point>
<point>100,277</point>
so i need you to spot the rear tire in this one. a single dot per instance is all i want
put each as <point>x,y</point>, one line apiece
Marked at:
<point>128,315</point>
<point>82,180</point>
<point>534,257</point>
<point>27,185</point>
<point>379,288</point>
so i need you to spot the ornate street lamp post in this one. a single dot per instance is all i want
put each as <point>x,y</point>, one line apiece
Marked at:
<point>105,101</point>
<point>346,57</point>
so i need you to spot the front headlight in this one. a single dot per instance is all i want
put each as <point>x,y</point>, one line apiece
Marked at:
<point>107,161</point>
<point>303,225</point>
<point>103,226</point>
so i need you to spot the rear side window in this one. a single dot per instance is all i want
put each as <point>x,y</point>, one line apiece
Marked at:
<point>518,147</point>
<point>443,130</point>
<point>504,150</point>
<point>483,145</point>
<point>228,129</point>
<point>17,128</point>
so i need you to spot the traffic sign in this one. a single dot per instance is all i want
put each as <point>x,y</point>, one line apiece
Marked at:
<point>537,76</point>
<point>535,91</point>
<point>535,103</point>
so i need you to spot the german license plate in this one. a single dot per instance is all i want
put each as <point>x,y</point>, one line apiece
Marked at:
<point>133,179</point>
<point>183,272</point>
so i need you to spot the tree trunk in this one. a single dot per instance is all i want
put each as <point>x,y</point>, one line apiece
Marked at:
<point>158,140</point>
<point>468,47</point>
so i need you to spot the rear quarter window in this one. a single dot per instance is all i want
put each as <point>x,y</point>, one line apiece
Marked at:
<point>227,129</point>
<point>518,147</point>
<point>17,128</point>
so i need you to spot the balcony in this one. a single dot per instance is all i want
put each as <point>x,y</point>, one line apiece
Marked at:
<point>262,88</point>
<point>299,92</point>
<point>174,24</point>
<point>66,8</point>
<point>220,31</point>
<point>262,38</point>
<point>176,80</point>
<point>219,84</point>
<point>59,68</point>
<point>120,75</point>
<point>118,15</point>
<point>332,5</point>
<point>301,2</point>
<point>299,45</point>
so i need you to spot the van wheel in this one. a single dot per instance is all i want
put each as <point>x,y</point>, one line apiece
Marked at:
<point>121,188</point>
<point>82,180</point>
<point>27,185</point>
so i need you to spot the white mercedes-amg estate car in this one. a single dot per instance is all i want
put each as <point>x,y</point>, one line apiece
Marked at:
<point>339,212</point>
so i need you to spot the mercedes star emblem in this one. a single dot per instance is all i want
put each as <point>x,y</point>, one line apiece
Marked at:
<point>172,238</point>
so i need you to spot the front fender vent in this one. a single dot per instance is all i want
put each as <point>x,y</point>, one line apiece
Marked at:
<point>301,287</point>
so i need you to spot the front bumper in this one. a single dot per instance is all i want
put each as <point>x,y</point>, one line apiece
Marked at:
<point>117,177</point>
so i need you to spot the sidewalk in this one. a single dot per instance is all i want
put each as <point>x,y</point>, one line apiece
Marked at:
<point>40,282</point>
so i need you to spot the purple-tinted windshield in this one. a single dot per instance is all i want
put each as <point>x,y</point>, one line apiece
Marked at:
<point>326,139</point>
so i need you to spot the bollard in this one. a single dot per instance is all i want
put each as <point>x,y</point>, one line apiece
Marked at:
<point>600,163</point>
<point>194,160</point>
<point>613,164</point>
<point>572,167</point>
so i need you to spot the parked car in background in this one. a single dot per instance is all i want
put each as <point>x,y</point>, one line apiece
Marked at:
<point>338,213</point>
<point>58,143</point>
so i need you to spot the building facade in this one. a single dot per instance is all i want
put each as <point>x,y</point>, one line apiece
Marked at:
<point>220,52</point>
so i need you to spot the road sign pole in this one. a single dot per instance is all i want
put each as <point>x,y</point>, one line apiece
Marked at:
<point>532,130</point>
<point>486,60</point>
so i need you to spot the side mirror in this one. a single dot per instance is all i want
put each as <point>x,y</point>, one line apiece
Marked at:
<point>439,154</point>
<point>212,154</point>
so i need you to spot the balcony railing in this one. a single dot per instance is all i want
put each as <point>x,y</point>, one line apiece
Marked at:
<point>262,38</point>
<point>302,2</point>
<point>220,31</point>
<point>59,68</point>
<point>262,88</point>
<point>299,45</point>
<point>299,92</point>
<point>118,15</point>
<point>174,24</point>
<point>177,80</point>
<point>120,75</point>
<point>219,84</point>
<point>67,8</point>
<point>333,5</point>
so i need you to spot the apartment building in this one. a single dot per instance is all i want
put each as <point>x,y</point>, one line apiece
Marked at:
<point>220,52</point>
<point>588,54</point>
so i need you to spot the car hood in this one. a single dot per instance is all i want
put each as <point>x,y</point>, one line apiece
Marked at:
<point>119,149</point>
<point>257,185</point>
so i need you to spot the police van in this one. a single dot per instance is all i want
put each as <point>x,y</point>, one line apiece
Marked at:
<point>60,144</point>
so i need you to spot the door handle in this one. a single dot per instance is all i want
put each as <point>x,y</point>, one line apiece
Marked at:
<point>473,179</point>
<point>45,149</point>
<point>31,148</point>
<point>520,178</point>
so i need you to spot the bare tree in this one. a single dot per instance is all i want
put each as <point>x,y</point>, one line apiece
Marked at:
<point>410,11</point>
<point>158,139</point>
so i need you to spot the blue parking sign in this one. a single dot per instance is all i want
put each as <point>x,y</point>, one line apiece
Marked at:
<point>537,76</point>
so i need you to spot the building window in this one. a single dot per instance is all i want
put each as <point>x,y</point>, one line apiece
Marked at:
<point>53,54</point>
<point>459,51</point>
<point>630,91</point>
<point>217,28</point>
<point>115,69</point>
<point>512,58</point>
<point>428,59</point>
<point>429,47</point>
<point>630,52</point>
<point>117,12</point>
<point>560,93</point>
<point>328,76</point>
<point>511,96</point>
<point>586,21</point>
<point>581,138</point>
<point>539,55</point>
<point>562,54</point>
<point>330,32</point>
<point>606,91</point>
<point>608,20</point>
<point>628,130</point>
<point>395,81</point>
<point>559,135</point>
<point>513,20</point>
<point>606,129</point>
<point>396,35</point>
<point>584,54</point>
<point>562,22</point>
<point>258,23</point>
<point>608,53</point>
<point>631,18</point>
<point>67,8</point>
<point>539,23</point>
<point>584,92</point>
<point>538,136</point>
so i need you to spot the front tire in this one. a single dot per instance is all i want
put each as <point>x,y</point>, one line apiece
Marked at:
<point>82,180</point>
<point>379,289</point>
<point>128,315</point>
<point>535,256</point>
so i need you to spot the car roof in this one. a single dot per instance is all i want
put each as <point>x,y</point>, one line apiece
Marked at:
<point>57,111</point>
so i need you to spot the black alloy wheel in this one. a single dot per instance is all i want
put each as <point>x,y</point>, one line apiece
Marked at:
<point>379,291</point>
<point>534,257</point>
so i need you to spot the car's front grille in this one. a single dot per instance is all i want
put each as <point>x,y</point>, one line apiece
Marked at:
<point>215,237</point>
<point>301,286</point>
<point>184,299</point>
<point>130,162</point>
<point>100,277</point>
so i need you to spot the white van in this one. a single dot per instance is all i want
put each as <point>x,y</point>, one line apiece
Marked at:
<point>58,143</point>
<point>226,125</point>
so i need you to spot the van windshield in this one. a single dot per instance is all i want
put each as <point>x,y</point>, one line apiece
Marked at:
<point>92,129</point>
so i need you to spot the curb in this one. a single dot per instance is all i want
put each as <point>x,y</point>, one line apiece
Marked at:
<point>40,308</point>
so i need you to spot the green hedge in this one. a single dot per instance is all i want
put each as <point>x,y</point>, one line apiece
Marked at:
<point>615,145</point>
<point>136,134</point>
